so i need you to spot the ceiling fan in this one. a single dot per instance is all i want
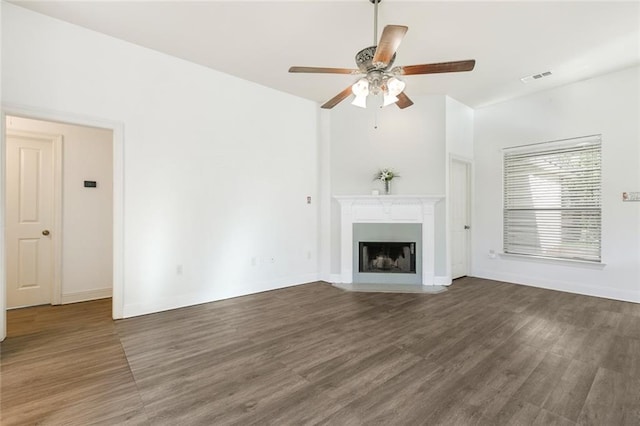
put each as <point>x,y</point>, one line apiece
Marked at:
<point>379,78</point>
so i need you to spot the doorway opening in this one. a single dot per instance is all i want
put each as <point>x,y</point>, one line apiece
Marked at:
<point>85,230</point>
<point>59,212</point>
<point>460,216</point>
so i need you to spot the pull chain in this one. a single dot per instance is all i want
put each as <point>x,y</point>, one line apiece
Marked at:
<point>375,119</point>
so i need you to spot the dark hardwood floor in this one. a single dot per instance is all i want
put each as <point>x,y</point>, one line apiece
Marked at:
<point>484,352</point>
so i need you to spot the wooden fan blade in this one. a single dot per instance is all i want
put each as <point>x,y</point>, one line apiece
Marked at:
<point>324,70</point>
<point>337,98</point>
<point>456,66</point>
<point>391,37</point>
<point>403,101</point>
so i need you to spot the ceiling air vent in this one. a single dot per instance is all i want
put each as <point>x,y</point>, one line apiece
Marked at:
<point>531,78</point>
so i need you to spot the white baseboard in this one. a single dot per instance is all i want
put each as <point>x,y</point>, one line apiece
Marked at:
<point>85,296</point>
<point>569,287</point>
<point>335,278</point>
<point>439,280</point>
<point>184,300</point>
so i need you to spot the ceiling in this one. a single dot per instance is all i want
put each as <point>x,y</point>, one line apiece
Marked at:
<point>259,41</point>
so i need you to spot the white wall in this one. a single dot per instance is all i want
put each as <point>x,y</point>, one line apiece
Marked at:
<point>607,105</point>
<point>87,213</point>
<point>216,169</point>
<point>3,324</point>
<point>409,141</point>
<point>324,196</point>
<point>459,129</point>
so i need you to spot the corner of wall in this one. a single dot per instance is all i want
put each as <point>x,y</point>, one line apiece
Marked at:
<point>324,192</point>
<point>3,287</point>
<point>3,311</point>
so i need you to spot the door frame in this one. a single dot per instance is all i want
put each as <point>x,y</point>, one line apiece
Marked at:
<point>118,196</point>
<point>55,297</point>
<point>468,162</point>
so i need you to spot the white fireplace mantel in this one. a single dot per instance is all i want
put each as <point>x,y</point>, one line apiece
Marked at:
<point>388,209</point>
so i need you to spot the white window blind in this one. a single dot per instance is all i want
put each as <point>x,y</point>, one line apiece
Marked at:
<point>552,203</point>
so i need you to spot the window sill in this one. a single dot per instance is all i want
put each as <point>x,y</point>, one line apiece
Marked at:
<point>554,261</point>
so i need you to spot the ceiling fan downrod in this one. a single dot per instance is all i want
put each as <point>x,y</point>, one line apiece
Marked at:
<point>375,20</point>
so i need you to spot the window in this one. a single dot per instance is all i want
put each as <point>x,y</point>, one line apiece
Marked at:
<point>552,202</point>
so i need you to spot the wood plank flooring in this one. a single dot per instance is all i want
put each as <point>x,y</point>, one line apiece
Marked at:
<point>482,353</point>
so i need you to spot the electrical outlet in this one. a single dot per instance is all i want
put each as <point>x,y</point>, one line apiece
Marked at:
<point>254,261</point>
<point>179,269</point>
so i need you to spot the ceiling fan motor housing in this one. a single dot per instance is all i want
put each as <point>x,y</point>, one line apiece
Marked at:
<point>377,81</point>
<point>364,60</point>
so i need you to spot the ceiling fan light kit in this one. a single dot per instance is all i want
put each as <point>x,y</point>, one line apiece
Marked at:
<point>379,78</point>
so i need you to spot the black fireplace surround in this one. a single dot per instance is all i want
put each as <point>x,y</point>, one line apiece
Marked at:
<point>387,257</point>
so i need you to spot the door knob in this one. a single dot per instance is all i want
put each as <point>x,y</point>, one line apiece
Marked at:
<point>45,232</point>
<point>467,227</point>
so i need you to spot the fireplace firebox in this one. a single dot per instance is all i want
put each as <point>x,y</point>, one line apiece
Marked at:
<point>387,257</point>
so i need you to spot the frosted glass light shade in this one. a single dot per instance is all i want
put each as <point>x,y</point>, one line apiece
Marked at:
<point>360,101</point>
<point>361,87</point>
<point>395,86</point>
<point>389,99</point>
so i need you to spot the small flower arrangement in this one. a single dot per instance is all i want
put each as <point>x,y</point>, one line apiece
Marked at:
<point>385,175</point>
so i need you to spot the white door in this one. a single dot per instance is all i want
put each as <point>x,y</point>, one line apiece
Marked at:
<point>460,225</point>
<point>29,219</point>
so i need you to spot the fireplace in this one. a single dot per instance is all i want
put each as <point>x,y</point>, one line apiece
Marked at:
<point>387,257</point>
<point>392,219</point>
<point>387,253</point>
